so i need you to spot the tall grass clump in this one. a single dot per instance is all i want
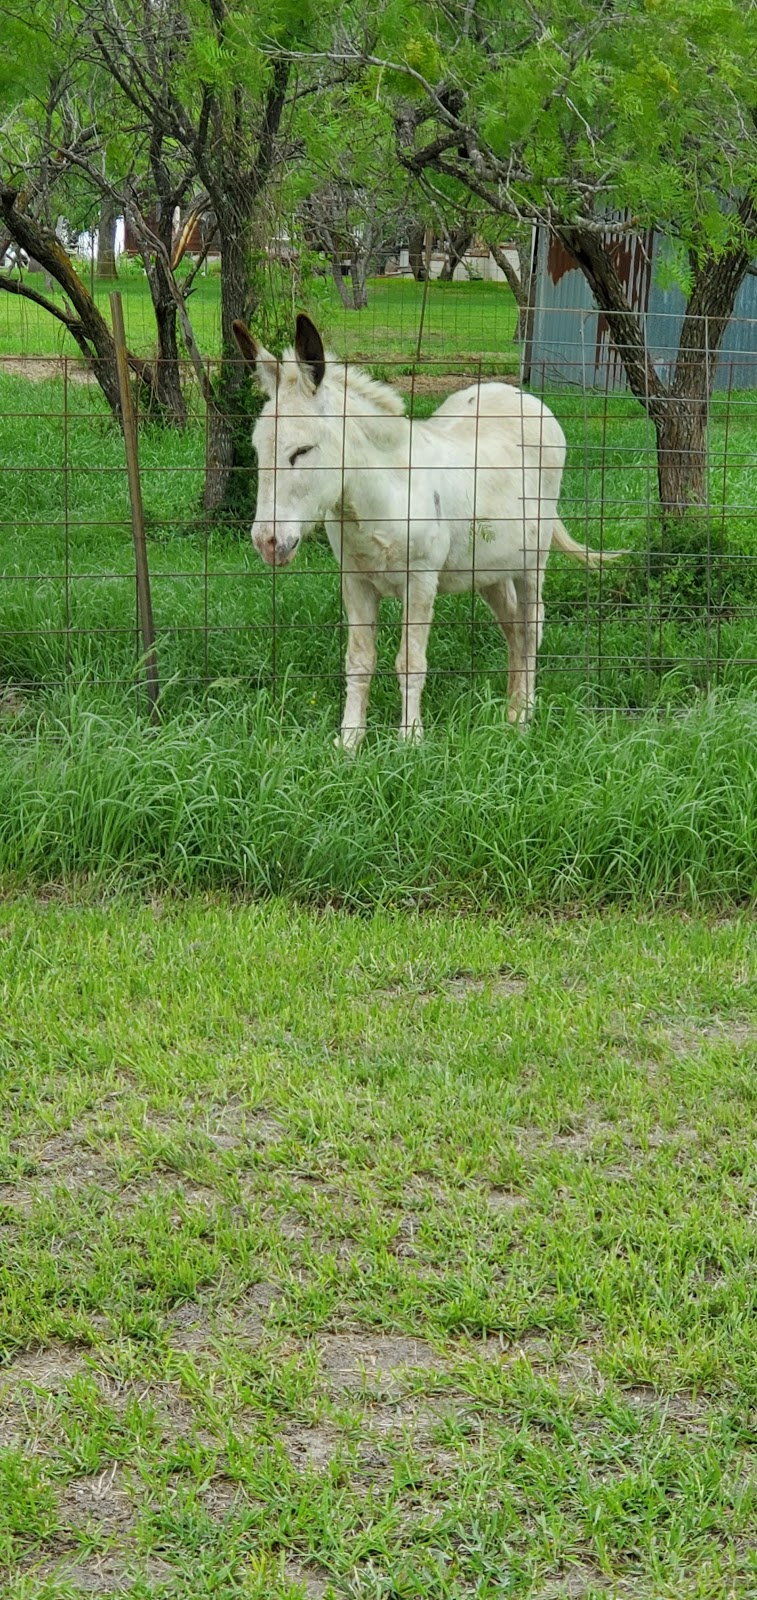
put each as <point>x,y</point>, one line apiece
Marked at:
<point>580,808</point>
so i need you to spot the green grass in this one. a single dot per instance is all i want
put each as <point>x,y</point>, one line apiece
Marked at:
<point>394,1257</point>
<point>240,795</point>
<point>386,1256</point>
<point>462,321</point>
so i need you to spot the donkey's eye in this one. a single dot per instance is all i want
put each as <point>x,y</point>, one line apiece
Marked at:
<point>304,450</point>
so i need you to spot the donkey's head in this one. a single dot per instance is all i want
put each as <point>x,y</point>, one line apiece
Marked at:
<point>297,439</point>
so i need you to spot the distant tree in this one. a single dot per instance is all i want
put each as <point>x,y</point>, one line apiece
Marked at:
<point>352,191</point>
<point>106,238</point>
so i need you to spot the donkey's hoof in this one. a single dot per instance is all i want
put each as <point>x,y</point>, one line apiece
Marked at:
<point>349,740</point>
<point>412,733</point>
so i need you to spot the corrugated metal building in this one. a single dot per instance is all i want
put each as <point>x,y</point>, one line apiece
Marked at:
<point>568,340</point>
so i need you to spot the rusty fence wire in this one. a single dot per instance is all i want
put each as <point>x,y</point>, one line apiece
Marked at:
<point>675,617</point>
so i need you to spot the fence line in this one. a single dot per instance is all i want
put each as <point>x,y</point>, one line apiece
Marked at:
<point>678,616</point>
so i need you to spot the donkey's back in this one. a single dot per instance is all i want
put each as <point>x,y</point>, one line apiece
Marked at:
<point>527,427</point>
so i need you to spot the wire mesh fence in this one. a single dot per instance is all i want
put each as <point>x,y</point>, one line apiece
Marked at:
<point>675,617</point>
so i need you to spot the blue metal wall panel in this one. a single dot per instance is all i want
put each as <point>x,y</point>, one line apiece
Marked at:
<point>569,342</point>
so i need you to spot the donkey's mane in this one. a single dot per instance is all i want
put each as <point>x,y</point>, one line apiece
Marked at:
<point>371,389</point>
<point>376,395</point>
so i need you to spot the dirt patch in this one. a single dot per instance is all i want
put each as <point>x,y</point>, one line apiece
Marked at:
<point>160,1187</point>
<point>574,1372</point>
<point>103,1574</point>
<point>682,1407</point>
<point>193,1329</point>
<point>531,1348</point>
<point>377,1363</point>
<point>50,1368</point>
<point>412,1420</point>
<point>288,1224</point>
<point>688,1038</point>
<point>12,703</point>
<point>41,369</point>
<point>247,1318</point>
<point>572,1585</point>
<point>662,1138</point>
<point>67,1161</point>
<point>458,986</point>
<point>504,1201</point>
<point>500,985</point>
<point>587,1133</point>
<point>222,1497</point>
<point>309,1449</point>
<point>313,1585</point>
<point>405,1242</point>
<point>233,1126</point>
<point>577,1372</point>
<point>228,1127</point>
<point>175,1416</point>
<point>16,1200</point>
<point>190,1329</point>
<point>441,383</point>
<point>103,1502</point>
<point>14,1425</point>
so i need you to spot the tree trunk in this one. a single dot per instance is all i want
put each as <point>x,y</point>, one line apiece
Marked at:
<point>416,249</point>
<point>169,392</point>
<point>106,238</point>
<point>169,395</point>
<point>681,434</point>
<point>680,412</point>
<point>359,283</point>
<point>458,243</point>
<point>230,464</point>
<point>343,292</point>
<point>519,281</point>
<point>231,476</point>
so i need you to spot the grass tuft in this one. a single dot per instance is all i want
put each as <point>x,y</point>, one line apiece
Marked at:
<point>612,809</point>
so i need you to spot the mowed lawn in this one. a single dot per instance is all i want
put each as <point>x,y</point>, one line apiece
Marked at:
<point>396,1257</point>
<point>460,321</point>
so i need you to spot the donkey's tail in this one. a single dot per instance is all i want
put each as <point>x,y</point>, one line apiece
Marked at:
<point>581,552</point>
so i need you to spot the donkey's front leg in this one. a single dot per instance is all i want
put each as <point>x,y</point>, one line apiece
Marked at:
<point>361,602</point>
<point>418,610</point>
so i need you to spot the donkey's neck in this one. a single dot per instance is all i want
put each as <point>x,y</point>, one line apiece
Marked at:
<point>376,461</point>
<point>374,439</point>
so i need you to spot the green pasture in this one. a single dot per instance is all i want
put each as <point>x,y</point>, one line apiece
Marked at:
<point>359,1258</point>
<point>459,319</point>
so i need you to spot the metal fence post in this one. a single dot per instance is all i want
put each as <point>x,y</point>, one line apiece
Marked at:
<point>137,513</point>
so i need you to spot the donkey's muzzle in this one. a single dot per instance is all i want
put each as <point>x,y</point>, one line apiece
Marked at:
<point>278,552</point>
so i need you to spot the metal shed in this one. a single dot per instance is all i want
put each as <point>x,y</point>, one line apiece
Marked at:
<point>568,341</point>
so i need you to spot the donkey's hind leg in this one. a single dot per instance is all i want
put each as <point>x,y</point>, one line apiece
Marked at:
<point>519,610</point>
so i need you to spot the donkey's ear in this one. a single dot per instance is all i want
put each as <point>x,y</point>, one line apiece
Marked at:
<point>264,365</point>
<point>308,348</point>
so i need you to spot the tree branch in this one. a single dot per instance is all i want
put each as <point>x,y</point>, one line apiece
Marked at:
<point>13,286</point>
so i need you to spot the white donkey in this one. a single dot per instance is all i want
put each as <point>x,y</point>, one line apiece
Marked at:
<point>467,499</point>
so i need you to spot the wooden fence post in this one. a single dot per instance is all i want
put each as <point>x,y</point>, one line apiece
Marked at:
<point>137,514</point>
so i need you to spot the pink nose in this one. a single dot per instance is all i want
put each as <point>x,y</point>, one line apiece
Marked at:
<point>277,551</point>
